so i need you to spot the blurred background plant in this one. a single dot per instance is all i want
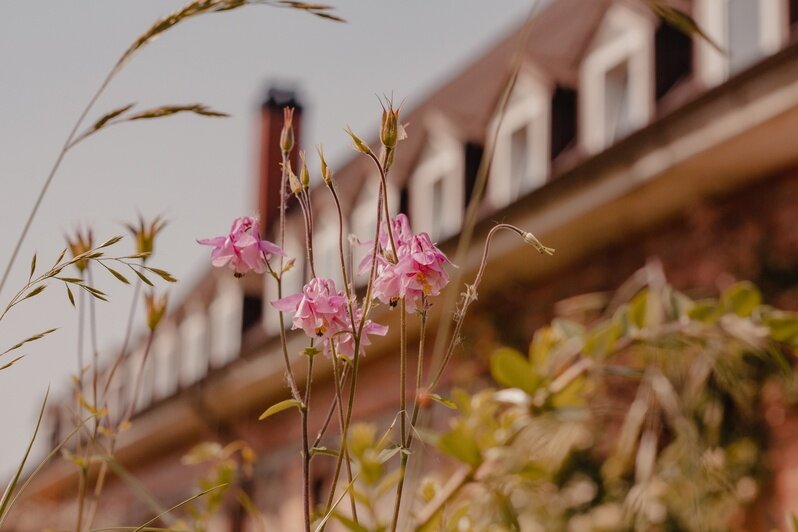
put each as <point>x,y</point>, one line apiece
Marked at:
<point>642,413</point>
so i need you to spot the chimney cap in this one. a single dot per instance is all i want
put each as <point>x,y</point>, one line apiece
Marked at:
<point>279,97</point>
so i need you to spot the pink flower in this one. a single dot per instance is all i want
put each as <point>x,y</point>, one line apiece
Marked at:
<point>319,310</point>
<point>346,340</point>
<point>419,269</point>
<point>424,268</point>
<point>242,250</point>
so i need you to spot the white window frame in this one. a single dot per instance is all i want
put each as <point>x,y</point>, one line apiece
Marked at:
<point>226,313</point>
<point>443,159</point>
<point>194,352</point>
<point>165,354</point>
<point>529,107</point>
<point>714,66</point>
<point>626,37</point>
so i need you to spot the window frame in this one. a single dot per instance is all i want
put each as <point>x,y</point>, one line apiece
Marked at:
<point>226,313</point>
<point>194,329</point>
<point>530,107</point>
<point>626,37</point>
<point>714,66</point>
<point>443,159</point>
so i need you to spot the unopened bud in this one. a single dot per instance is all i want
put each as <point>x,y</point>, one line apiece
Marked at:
<point>326,171</point>
<point>530,239</point>
<point>156,308</point>
<point>145,235</point>
<point>358,143</point>
<point>80,244</point>
<point>304,173</point>
<point>389,135</point>
<point>293,180</point>
<point>287,134</point>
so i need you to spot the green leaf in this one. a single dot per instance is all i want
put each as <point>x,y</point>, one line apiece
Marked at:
<point>118,275</point>
<point>706,311</point>
<point>110,242</point>
<point>9,491</point>
<point>35,292</point>
<point>163,274</point>
<point>324,450</point>
<point>637,309</point>
<point>460,443</point>
<point>167,110</point>
<point>279,407</point>
<point>142,277</point>
<point>107,117</point>
<point>348,523</point>
<point>32,267</point>
<point>783,326</point>
<point>681,21</point>
<point>741,298</point>
<point>9,364</point>
<point>510,368</point>
<point>33,338</point>
<point>445,402</point>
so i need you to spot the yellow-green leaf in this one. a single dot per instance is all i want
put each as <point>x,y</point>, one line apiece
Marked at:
<point>279,407</point>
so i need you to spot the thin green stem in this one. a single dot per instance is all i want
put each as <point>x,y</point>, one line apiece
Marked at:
<point>128,332</point>
<point>330,411</point>
<point>305,447</point>
<point>343,447</point>
<point>402,410</point>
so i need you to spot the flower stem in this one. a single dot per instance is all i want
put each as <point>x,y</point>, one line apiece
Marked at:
<point>402,410</point>
<point>343,448</point>
<point>305,447</point>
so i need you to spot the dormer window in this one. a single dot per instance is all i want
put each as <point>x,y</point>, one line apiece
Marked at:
<point>194,343</point>
<point>745,30</point>
<point>522,145</point>
<point>226,313</point>
<point>364,217</point>
<point>437,189</point>
<point>164,353</point>
<point>617,79</point>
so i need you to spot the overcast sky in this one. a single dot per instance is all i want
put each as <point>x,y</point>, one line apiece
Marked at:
<point>198,172</point>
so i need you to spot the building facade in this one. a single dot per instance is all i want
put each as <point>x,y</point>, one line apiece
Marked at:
<point>622,139</point>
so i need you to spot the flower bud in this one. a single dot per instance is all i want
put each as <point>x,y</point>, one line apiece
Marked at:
<point>81,243</point>
<point>358,143</point>
<point>287,134</point>
<point>156,309</point>
<point>326,171</point>
<point>293,180</point>
<point>304,173</point>
<point>145,235</point>
<point>530,239</point>
<point>389,127</point>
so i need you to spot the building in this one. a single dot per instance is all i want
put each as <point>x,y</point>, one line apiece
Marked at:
<point>623,138</point>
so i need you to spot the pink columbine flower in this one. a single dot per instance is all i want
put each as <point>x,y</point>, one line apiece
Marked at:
<point>346,340</point>
<point>242,250</point>
<point>418,270</point>
<point>319,310</point>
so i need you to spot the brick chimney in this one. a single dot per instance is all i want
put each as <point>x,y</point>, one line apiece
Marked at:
<point>269,172</point>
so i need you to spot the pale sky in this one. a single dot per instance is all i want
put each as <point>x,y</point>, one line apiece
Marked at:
<point>198,172</point>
